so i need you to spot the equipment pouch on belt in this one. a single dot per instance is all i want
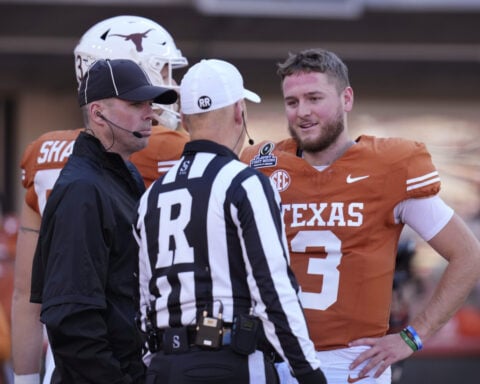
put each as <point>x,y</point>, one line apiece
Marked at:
<point>245,332</point>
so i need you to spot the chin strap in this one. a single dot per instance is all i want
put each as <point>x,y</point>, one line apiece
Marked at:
<point>167,116</point>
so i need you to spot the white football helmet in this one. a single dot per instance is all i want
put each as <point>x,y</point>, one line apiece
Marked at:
<point>139,39</point>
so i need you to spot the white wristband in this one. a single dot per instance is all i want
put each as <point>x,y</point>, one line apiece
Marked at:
<point>32,378</point>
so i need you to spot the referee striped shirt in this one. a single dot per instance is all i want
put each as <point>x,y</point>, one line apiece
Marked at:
<point>212,238</point>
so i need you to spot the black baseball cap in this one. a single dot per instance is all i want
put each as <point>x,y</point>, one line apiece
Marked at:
<point>123,79</point>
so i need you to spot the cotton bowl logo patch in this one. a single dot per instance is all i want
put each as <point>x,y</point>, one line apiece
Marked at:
<point>281,179</point>
<point>264,157</point>
<point>267,149</point>
<point>204,102</point>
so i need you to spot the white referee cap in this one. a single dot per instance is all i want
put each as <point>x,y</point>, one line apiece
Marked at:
<point>212,84</point>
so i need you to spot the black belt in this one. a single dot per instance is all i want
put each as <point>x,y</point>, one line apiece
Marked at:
<point>174,336</point>
<point>164,341</point>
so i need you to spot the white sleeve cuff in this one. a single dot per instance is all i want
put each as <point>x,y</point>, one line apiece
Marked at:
<point>426,216</point>
<point>33,378</point>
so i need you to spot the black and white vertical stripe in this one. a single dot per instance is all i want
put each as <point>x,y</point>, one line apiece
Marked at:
<point>210,231</point>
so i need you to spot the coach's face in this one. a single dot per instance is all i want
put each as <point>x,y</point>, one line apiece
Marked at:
<point>315,109</point>
<point>124,126</point>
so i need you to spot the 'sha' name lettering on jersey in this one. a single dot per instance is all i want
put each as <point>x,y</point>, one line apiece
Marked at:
<point>334,214</point>
<point>53,151</point>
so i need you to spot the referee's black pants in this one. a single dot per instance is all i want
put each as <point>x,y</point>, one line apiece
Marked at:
<point>221,366</point>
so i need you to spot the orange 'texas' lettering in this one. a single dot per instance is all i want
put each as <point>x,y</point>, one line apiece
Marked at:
<point>55,151</point>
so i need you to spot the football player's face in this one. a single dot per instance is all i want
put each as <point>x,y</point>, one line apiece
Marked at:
<point>167,78</point>
<point>315,109</point>
<point>167,114</point>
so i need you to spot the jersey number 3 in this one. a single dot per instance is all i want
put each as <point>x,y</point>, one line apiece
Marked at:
<point>328,267</point>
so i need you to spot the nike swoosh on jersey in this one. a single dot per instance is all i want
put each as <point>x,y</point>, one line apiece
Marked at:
<point>355,379</point>
<point>351,179</point>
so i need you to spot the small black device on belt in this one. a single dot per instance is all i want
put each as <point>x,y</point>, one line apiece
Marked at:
<point>245,334</point>
<point>209,331</point>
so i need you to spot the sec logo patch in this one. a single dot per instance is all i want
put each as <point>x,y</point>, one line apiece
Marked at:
<point>281,179</point>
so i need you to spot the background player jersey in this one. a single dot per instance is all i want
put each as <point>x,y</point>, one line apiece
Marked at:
<point>162,152</point>
<point>41,164</point>
<point>341,229</point>
<point>44,158</point>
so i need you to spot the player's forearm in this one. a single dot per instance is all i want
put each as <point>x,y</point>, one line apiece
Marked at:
<point>27,330</point>
<point>27,336</point>
<point>458,280</point>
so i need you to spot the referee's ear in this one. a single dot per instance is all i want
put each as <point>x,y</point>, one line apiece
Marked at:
<point>185,123</point>
<point>239,112</point>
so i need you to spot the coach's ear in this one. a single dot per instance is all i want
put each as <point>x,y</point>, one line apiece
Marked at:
<point>95,113</point>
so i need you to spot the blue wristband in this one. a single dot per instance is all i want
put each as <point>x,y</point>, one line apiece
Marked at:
<point>415,336</point>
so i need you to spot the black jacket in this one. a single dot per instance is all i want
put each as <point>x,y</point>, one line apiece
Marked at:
<point>84,265</point>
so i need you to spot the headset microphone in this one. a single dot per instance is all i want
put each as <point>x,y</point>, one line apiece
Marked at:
<point>250,140</point>
<point>137,134</point>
